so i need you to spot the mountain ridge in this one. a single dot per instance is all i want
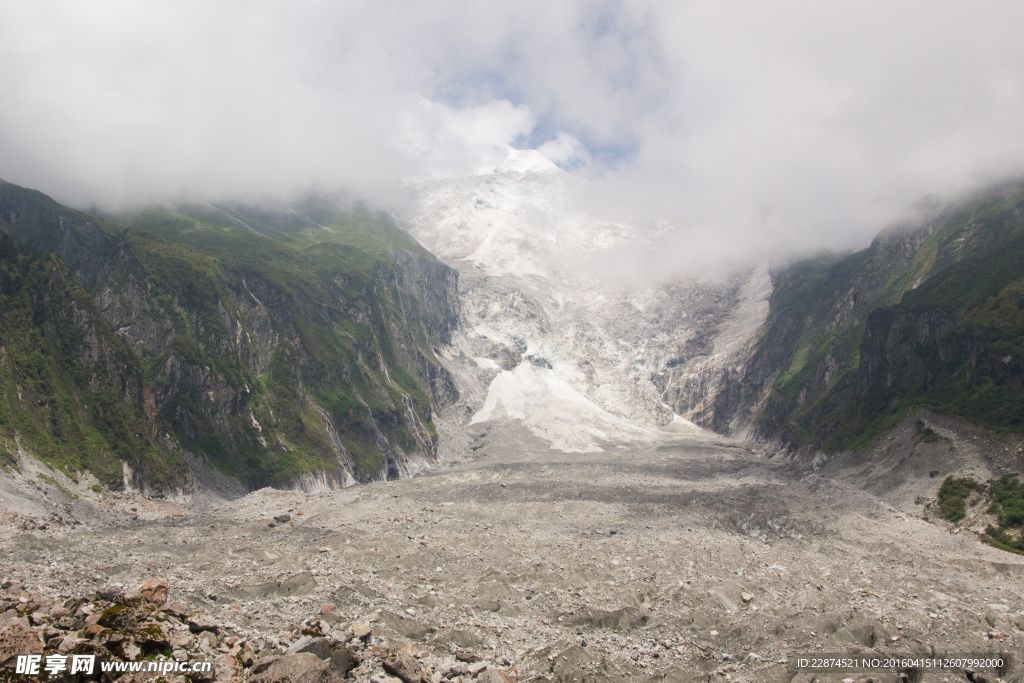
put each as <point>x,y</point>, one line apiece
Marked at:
<point>827,372</point>
<point>270,359</point>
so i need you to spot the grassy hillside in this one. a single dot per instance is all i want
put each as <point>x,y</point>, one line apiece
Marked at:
<point>71,391</point>
<point>270,350</point>
<point>931,314</point>
<point>342,339</point>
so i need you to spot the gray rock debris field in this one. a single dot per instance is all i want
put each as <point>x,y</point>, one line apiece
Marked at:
<point>693,558</point>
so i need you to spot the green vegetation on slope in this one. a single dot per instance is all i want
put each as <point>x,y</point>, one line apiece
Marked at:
<point>932,314</point>
<point>70,389</point>
<point>333,296</point>
<point>1005,497</point>
<point>953,493</point>
<point>251,329</point>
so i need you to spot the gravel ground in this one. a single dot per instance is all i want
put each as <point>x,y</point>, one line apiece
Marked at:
<point>689,558</point>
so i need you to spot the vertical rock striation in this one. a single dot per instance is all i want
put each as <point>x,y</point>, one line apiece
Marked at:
<point>302,357</point>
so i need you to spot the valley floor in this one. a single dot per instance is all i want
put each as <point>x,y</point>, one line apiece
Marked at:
<point>689,558</point>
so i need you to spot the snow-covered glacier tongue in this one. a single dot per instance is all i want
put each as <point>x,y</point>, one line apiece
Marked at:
<point>579,359</point>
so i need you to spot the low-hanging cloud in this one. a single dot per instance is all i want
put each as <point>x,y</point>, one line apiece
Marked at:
<point>750,126</point>
<point>451,143</point>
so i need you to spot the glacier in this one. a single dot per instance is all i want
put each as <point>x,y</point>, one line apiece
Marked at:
<point>583,361</point>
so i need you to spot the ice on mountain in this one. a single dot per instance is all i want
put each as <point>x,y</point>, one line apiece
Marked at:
<point>577,359</point>
<point>552,409</point>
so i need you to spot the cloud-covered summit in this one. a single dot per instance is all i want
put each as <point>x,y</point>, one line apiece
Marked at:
<point>786,125</point>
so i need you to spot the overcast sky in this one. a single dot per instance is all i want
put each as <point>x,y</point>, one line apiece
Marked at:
<point>749,124</point>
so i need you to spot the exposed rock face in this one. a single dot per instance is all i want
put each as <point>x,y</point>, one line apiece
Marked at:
<point>809,356</point>
<point>705,389</point>
<point>312,367</point>
<point>925,316</point>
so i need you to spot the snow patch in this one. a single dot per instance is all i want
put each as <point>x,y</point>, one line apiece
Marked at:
<point>552,409</point>
<point>681,425</point>
<point>486,363</point>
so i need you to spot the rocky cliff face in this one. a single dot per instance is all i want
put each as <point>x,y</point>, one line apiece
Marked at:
<point>927,315</point>
<point>71,391</point>
<point>277,356</point>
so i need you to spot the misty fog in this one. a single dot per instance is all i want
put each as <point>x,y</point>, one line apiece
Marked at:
<point>750,128</point>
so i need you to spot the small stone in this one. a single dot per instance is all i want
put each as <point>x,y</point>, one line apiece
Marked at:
<point>154,590</point>
<point>317,646</point>
<point>298,645</point>
<point>283,519</point>
<point>323,549</point>
<point>118,618</point>
<point>477,667</point>
<point>176,608</point>
<point>326,608</point>
<point>202,622</point>
<point>18,639</point>
<point>226,667</point>
<point>401,664</point>
<point>271,523</point>
<point>130,650</point>
<point>494,675</point>
<point>69,642</point>
<point>361,630</point>
<point>747,597</point>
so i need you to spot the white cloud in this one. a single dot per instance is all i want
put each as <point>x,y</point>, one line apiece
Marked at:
<point>447,142</point>
<point>751,126</point>
<point>565,150</point>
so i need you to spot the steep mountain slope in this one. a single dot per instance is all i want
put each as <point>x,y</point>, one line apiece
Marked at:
<point>821,354</point>
<point>581,360</point>
<point>301,351</point>
<point>71,390</point>
<point>928,315</point>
